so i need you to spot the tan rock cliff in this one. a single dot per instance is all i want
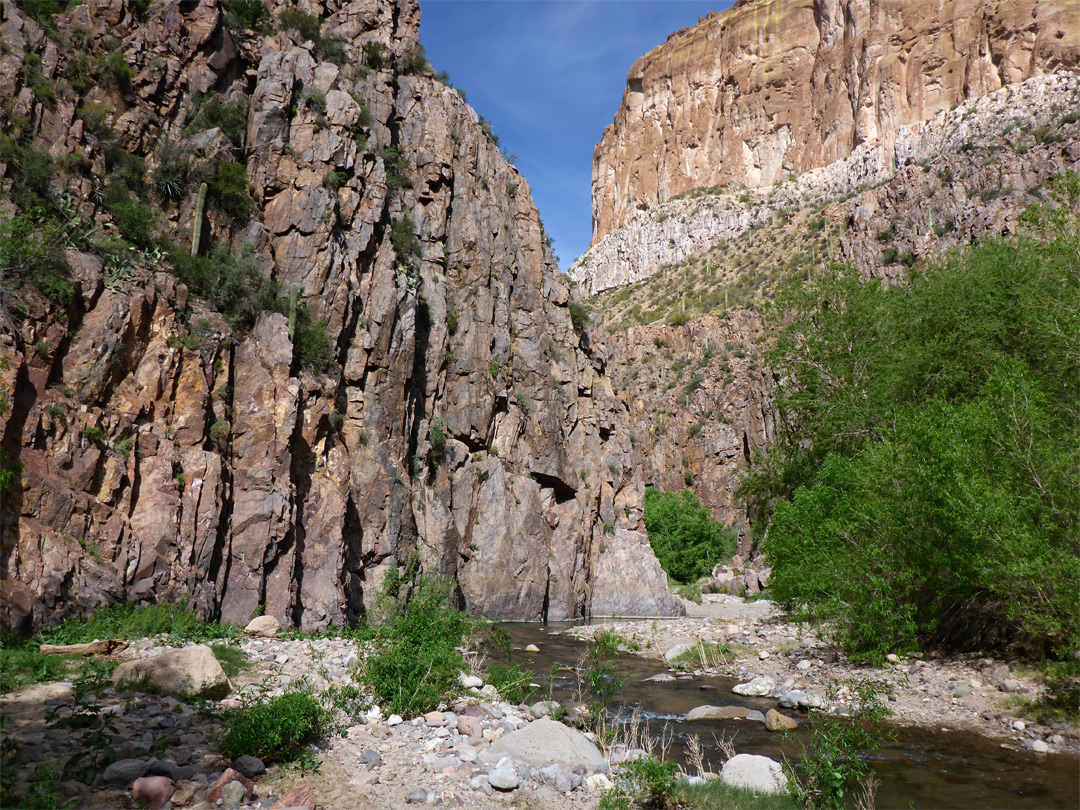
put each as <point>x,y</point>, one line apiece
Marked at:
<point>774,87</point>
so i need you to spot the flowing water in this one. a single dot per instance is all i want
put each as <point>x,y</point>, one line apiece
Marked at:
<point>921,768</point>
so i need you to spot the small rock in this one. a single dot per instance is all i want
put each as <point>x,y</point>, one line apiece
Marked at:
<point>418,796</point>
<point>230,776</point>
<point>371,757</point>
<point>599,782</point>
<point>663,677</point>
<point>1011,685</point>
<point>470,681</point>
<point>716,713</point>
<point>154,792</point>
<point>758,687</point>
<point>1039,747</point>
<point>961,691</point>
<point>892,658</point>
<point>249,766</point>
<point>774,721</point>
<point>763,654</point>
<point>125,771</point>
<point>804,665</point>
<point>299,796</point>
<point>532,648</point>
<point>394,720</point>
<point>503,778</point>
<point>756,773</point>
<point>263,627</point>
<point>184,794</point>
<point>234,793</point>
<point>677,650</point>
<point>434,719</point>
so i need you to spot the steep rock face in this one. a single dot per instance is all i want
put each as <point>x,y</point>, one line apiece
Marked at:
<point>773,87</point>
<point>700,404</point>
<point>1014,138</point>
<point>164,454</point>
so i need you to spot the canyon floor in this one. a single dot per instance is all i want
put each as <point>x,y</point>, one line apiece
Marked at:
<point>446,759</point>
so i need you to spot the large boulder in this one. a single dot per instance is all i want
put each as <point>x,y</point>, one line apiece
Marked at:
<point>186,672</point>
<point>753,772</point>
<point>545,742</point>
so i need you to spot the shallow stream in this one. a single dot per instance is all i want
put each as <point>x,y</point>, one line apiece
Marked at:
<point>921,768</point>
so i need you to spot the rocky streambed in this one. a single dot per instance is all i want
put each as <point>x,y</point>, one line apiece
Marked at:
<point>956,744</point>
<point>959,739</point>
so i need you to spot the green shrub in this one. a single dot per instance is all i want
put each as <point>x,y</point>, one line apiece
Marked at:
<point>833,762</point>
<point>580,314</point>
<point>228,191</point>
<point>231,658</point>
<point>927,493</point>
<point>311,343</point>
<point>228,116</point>
<point>335,180</point>
<point>306,25</point>
<point>275,729</point>
<point>135,221</point>
<point>374,54</point>
<point>403,238</point>
<point>417,661</point>
<point>512,681</point>
<point>246,15</point>
<point>687,542</point>
<point>397,168</point>
<point>642,783</point>
<point>31,252</point>
<point>116,68</point>
<point>22,664</point>
<point>414,61</point>
<point>331,50</point>
<point>233,285</point>
<point>32,172</point>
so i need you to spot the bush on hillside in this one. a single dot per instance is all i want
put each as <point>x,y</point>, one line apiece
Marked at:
<point>686,540</point>
<point>925,483</point>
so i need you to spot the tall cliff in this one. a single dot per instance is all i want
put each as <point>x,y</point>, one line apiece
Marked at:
<point>155,448</point>
<point>773,87</point>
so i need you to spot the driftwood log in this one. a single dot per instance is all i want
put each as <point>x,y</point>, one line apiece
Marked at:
<point>110,647</point>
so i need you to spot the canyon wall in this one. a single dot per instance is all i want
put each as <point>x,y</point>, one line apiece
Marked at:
<point>155,450</point>
<point>774,87</point>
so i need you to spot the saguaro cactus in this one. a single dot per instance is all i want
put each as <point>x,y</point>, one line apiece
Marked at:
<point>200,212</point>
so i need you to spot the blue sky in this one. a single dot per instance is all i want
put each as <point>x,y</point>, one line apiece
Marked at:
<point>549,75</point>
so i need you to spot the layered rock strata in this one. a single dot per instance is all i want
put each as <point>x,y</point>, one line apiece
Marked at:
<point>772,87</point>
<point>1007,123</point>
<point>162,454</point>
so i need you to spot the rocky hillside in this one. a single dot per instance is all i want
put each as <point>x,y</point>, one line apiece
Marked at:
<point>277,315</point>
<point>773,87</point>
<point>706,198</point>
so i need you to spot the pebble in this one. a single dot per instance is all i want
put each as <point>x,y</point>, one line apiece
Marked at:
<point>503,778</point>
<point>1039,747</point>
<point>417,796</point>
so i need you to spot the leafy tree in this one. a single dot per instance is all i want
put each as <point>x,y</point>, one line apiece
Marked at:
<point>925,481</point>
<point>685,539</point>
